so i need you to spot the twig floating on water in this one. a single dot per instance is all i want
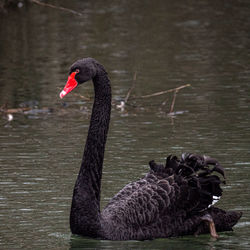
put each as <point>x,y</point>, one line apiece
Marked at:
<point>166,91</point>
<point>56,7</point>
<point>173,102</point>
<point>15,110</point>
<point>131,88</point>
<point>123,103</point>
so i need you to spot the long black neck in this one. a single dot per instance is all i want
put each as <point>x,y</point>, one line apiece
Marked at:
<point>85,209</point>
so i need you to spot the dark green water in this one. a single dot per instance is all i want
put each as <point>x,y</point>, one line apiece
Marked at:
<point>167,44</point>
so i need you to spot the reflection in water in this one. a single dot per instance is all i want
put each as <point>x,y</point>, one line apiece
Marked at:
<point>168,44</point>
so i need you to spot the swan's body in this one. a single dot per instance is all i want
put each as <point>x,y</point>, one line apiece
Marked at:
<point>171,200</point>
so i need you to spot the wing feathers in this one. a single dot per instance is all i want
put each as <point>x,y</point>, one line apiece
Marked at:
<point>183,187</point>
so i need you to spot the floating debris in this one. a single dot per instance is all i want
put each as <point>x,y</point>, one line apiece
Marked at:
<point>10,117</point>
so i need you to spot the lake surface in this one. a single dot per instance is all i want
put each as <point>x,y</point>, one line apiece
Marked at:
<point>166,44</point>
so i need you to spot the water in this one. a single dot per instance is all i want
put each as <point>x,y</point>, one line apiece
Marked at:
<point>167,44</point>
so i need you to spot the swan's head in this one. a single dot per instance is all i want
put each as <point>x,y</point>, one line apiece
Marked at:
<point>81,71</point>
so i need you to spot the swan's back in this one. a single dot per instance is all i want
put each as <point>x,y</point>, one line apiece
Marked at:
<point>169,201</point>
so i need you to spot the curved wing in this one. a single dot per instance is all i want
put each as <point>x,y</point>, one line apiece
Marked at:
<point>142,209</point>
<point>159,203</point>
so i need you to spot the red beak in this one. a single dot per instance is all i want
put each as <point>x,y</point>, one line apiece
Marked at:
<point>70,85</point>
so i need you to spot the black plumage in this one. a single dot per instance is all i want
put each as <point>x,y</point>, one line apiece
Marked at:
<point>171,200</point>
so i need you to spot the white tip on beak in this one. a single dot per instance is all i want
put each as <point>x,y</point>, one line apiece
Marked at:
<point>62,94</point>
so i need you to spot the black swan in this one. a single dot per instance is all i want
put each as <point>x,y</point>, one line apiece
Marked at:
<point>174,199</point>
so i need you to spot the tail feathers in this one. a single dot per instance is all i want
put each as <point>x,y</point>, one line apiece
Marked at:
<point>189,164</point>
<point>202,164</point>
<point>198,171</point>
<point>224,220</point>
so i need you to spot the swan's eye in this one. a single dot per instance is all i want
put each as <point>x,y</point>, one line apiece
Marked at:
<point>77,71</point>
